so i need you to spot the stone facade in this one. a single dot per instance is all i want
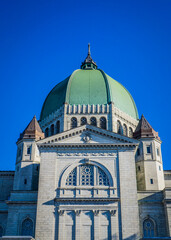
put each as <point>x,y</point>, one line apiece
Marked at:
<point>87,171</point>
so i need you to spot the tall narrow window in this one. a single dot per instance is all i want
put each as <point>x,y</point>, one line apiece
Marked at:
<point>119,127</point>
<point>52,129</point>
<point>138,152</point>
<point>93,121</point>
<point>103,122</point>
<point>86,175</point>
<point>83,121</point>
<point>27,227</point>
<point>148,228</point>
<point>103,179</point>
<point>58,127</point>
<point>130,132</point>
<point>124,130</point>
<point>46,132</point>
<point>148,149</point>
<point>1,231</point>
<point>73,122</point>
<point>72,178</point>
<point>29,150</point>
<point>158,152</point>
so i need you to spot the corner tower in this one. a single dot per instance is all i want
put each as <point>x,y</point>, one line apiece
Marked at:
<point>149,166</point>
<point>28,159</point>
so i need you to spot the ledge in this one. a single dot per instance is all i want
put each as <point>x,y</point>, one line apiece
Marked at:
<point>21,202</point>
<point>86,199</point>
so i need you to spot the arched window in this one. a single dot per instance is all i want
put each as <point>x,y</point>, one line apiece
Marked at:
<point>52,129</point>
<point>46,132</point>
<point>93,121</point>
<point>85,175</point>
<point>73,122</point>
<point>83,121</point>
<point>58,127</point>
<point>148,228</point>
<point>27,227</point>
<point>130,132</point>
<point>103,122</point>
<point>125,130</point>
<point>1,231</point>
<point>119,127</point>
<point>71,179</point>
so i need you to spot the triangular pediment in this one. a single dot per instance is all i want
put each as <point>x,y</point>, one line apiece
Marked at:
<point>88,134</point>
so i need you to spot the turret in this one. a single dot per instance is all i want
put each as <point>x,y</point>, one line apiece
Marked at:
<point>28,159</point>
<point>149,166</point>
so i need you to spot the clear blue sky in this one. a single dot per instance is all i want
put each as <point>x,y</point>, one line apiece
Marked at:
<point>42,42</point>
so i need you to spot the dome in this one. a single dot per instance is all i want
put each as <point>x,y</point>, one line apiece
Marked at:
<point>89,86</point>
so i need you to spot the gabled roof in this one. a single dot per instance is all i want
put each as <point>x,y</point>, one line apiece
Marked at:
<point>144,130</point>
<point>32,131</point>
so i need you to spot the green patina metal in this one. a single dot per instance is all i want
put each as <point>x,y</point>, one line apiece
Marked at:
<point>122,98</point>
<point>89,87</point>
<point>55,99</point>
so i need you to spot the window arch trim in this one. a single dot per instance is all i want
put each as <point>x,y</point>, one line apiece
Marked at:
<point>65,173</point>
<point>153,221</point>
<point>24,219</point>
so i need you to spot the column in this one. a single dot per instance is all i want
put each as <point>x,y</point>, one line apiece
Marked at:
<point>61,223</point>
<point>77,225</point>
<point>114,225</point>
<point>96,224</point>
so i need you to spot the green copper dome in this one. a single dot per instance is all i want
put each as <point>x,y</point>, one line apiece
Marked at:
<point>89,86</point>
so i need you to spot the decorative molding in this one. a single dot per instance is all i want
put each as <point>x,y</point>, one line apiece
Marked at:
<point>87,137</point>
<point>88,129</point>
<point>112,212</point>
<point>60,199</point>
<point>87,154</point>
<point>77,212</point>
<point>96,212</point>
<point>61,212</point>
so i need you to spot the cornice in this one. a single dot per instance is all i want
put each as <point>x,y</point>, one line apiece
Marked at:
<point>86,146</point>
<point>21,202</point>
<point>86,200</point>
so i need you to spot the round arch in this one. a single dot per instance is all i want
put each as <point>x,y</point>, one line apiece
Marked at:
<point>148,229</point>
<point>69,168</point>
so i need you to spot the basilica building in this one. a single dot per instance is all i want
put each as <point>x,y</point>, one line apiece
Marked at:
<point>88,169</point>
